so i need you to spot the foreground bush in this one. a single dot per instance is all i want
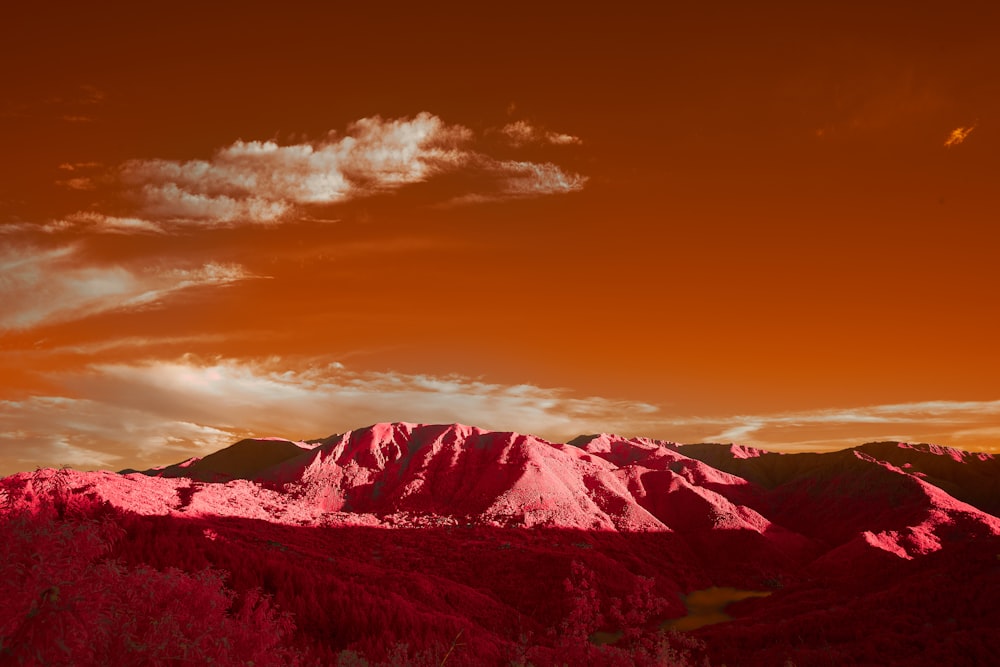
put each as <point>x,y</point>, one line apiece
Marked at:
<point>65,602</point>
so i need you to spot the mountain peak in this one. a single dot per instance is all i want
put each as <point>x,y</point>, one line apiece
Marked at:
<point>246,459</point>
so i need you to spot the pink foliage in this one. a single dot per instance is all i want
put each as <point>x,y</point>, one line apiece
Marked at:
<point>66,602</point>
<point>428,545</point>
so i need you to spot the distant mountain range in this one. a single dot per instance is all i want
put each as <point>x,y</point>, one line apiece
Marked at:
<point>578,552</point>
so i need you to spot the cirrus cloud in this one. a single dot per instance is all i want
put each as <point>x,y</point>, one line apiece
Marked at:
<point>45,286</point>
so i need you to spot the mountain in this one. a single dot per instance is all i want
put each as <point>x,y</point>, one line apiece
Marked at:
<point>409,544</point>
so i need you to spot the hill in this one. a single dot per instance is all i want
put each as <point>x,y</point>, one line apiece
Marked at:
<point>413,544</point>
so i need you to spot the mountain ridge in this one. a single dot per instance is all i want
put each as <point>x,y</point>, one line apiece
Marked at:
<point>258,459</point>
<point>451,528</point>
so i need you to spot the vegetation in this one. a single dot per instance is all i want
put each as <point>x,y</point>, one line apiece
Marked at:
<point>91,585</point>
<point>138,583</point>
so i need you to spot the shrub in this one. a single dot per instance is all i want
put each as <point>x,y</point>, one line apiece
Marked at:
<point>66,603</point>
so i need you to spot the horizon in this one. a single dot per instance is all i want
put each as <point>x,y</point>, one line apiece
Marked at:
<point>419,545</point>
<point>415,426</point>
<point>771,226</point>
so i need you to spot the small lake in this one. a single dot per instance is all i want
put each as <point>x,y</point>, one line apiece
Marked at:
<point>707,606</point>
<point>704,607</point>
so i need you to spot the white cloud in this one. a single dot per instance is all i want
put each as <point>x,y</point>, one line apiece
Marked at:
<point>327,397</point>
<point>521,180</point>
<point>159,411</point>
<point>56,431</point>
<point>88,221</point>
<point>941,422</point>
<point>172,203</point>
<point>107,224</point>
<point>264,182</point>
<point>42,286</point>
<point>51,227</point>
<point>134,344</point>
<point>521,133</point>
<point>531,179</point>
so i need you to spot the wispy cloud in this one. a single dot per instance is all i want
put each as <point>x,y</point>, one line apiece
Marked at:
<point>47,431</point>
<point>968,423</point>
<point>77,183</point>
<point>22,228</point>
<point>87,95</point>
<point>106,224</point>
<point>958,135</point>
<point>328,396</point>
<point>84,221</point>
<point>80,175</point>
<point>515,179</point>
<point>157,411</point>
<point>160,410</point>
<point>531,179</point>
<point>264,182</point>
<point>521,133</point>
<point>73,105</point>
<point>80,102</point>
<point>138,344</point>
<point>44,286</point>
<point>77,166</point>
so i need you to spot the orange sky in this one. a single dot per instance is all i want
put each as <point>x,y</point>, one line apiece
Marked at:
<point>773,225</point>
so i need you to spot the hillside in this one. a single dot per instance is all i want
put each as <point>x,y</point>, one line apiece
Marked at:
<point>412,544</point>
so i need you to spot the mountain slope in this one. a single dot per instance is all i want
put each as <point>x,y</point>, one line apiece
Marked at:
<point>414,534</point>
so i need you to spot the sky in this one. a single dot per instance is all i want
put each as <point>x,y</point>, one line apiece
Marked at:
<point>770,223</point>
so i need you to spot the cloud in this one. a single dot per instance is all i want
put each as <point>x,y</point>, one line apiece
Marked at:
<point>77,166</point>
<point>78,183</point>
<point>51,227</point>
<point>73,105</point>
<point>521,133</point>
<point>327,396</point>
<point>58,431</point>
<point>87,221</point>
<point>44,286</point>
<point>960,423</point>
<point>521,180</point>
<point>958,135</point>
<point>531,179</point>
<point>135,344</point>
<point>160,411</point>
<point>264,182</point>
<point>76,180</point>
<point>106,224</point>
